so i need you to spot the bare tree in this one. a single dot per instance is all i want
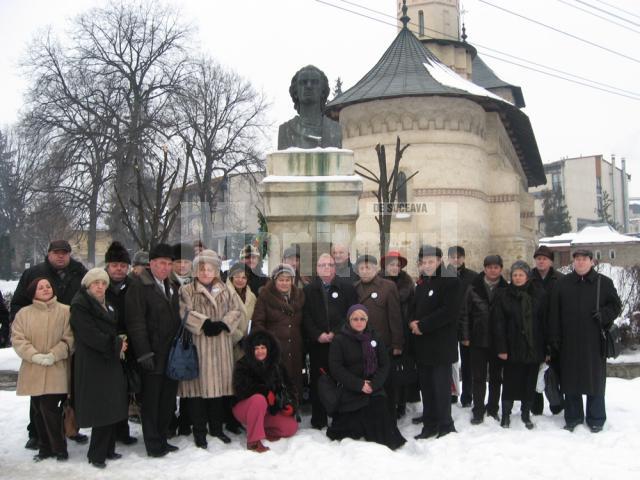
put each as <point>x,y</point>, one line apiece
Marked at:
<point>221,119</point>
<point>387,190</point>
<point>152,208</point>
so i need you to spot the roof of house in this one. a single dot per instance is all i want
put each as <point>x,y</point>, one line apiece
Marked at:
<point>482,75</point>
<point>590,235</point>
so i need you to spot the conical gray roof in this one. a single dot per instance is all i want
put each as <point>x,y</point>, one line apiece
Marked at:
<point>407,69</point>
<point>482,75</point>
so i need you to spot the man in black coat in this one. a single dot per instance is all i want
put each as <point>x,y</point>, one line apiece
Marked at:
<point>476,333</point>
<point>579,314</point>
<point>456,257</point>
<point>545,277</point>
<point>117,262</point>
<point>327,300</point>
<point>152,321</point>
<point>434,336</point>
<point>65,275</point>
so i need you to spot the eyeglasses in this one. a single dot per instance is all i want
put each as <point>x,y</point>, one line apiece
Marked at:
<point>359,319</point>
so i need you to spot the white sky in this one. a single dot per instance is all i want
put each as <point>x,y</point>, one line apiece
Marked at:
<point>267,41</point>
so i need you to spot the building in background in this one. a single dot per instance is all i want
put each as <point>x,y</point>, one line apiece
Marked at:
<point>594,189</point>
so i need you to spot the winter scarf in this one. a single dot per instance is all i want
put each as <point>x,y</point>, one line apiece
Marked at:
<point>368,350</point>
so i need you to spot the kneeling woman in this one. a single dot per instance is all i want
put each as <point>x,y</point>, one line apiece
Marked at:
<point>101,399</point>
<point>359,362</point>
<point>267,397</point>
<point>518,318</point>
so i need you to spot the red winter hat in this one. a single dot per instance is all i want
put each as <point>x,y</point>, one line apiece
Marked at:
<point>393,255</point>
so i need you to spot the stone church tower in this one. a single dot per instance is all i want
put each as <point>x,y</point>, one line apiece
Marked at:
<point>473,146</point>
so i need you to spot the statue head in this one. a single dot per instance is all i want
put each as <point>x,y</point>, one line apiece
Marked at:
<point>309,85</point>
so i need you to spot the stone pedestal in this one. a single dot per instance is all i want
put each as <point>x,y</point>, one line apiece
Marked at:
<point>311,198</point>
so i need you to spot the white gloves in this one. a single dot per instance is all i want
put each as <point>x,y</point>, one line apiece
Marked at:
<point>44,359</point>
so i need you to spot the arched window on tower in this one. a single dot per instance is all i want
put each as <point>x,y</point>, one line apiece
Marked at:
<point>421,23</point>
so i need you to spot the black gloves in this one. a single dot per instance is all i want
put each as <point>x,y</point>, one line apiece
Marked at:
<point>212,329</point>
<point>148,363</point>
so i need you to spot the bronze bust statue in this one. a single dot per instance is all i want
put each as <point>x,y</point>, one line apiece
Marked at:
<point>309,91</point>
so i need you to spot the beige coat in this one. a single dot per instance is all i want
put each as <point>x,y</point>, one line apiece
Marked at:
<point>215,354</point>
<point>43,328</point>
<point>241,331</point>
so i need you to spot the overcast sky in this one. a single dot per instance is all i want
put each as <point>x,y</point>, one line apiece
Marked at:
<point>267,41</point>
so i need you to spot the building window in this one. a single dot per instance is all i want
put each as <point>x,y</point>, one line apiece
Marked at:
<point>556,181</point>
<point>612,254</point>
<point>599,195</point>
<point>421,23</point>
<point>598,254</point>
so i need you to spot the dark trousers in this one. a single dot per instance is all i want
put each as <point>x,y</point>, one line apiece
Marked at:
<point>103,443</point>
<point>318,359</point>
<point>203,411</point>
<point>122,430</point>
<point>481,359</point>
<point>465,375</point>
<point>47,418</point>
<point>507,406</point>
<point>574,410</point>
<point>158,404</point>
<point>31,427</point>
<point>435,386</point>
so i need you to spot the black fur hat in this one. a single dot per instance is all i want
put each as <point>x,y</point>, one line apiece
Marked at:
<point>183,251</point>
<point>117,253</point>
<point>262,337</point>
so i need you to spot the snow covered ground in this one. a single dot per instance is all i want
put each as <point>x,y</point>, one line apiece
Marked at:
<point>482,452</point>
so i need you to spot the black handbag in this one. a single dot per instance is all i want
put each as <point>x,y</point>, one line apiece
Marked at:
<point>552,387</point>
<point>610,337</point>
<point>329,393</point>
<point>403,371</point>
<point>182,363</point>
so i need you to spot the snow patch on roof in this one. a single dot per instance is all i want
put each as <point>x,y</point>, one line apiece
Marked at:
<point>591,234</point>
<point>447,77</point>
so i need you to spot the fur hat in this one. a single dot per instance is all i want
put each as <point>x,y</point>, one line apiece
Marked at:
<point>283,268</point>
<point>94,275</point>
<point>262,337</point>
<point>161,250</point>
<point>141,258</point>
<point>206,256</point>
<point>367,258</point>
<point>544,251</point>
<point>183,251</point>
<point>117,253</point>
<point>429,251</point>
<point>521,265</point>
<point>249,251</point>
<point>457,250</point>
<point>493,260</point>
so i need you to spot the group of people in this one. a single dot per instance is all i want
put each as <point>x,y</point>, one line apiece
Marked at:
<point>95,341</point>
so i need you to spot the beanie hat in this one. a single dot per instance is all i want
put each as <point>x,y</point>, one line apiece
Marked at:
<point>206,256</point>
<point>521,265</point>
<point>94,275</point>
<point>357,306</point>
<point>429,251</point>
<point>237,268</point>
<point>141,258</point>
<point>544,251</point>
<point>458,250</point>
<point>161,250</point>
<point>183,251</point>
<point>117,253</point>
<point>283,268</point>
<point>292,251</point>
<point>493,260</point>
<point>367,258</point>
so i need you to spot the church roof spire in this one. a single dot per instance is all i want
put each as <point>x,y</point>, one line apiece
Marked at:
<point>404,18</point>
